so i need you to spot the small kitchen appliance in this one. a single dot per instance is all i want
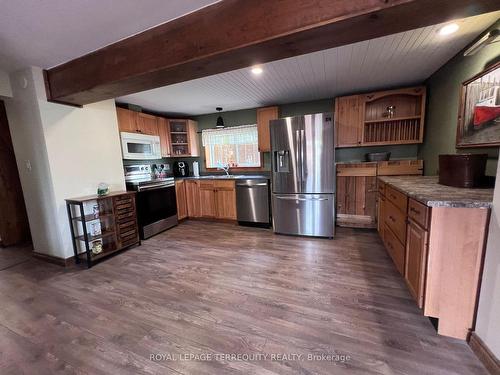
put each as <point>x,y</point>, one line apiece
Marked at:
<point>181,169</point>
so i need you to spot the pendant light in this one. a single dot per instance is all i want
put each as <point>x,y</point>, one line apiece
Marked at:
<point>220,121</point>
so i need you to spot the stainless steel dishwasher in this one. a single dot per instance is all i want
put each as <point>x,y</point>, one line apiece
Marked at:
<point>253,202</point>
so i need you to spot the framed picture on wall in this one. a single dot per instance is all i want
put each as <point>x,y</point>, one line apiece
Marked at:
<point>479,113</point>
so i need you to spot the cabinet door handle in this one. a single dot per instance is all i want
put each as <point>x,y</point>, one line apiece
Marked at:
<point>392,219</point>
<point>415,210</point>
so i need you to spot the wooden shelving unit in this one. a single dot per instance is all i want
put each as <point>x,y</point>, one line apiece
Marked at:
<point>117,225</point>
<point>394,117</point>
<point>380,118</point>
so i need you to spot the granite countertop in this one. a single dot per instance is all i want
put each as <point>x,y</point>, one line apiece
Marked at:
<point>426,190</point>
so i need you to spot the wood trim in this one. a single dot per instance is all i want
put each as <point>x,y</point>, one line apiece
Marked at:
<point>54,260</point>
<point>461,110</point>
<point>190,47</point>
<point>485,355</point>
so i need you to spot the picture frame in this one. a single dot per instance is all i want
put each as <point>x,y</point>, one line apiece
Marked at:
<point>479,110</point>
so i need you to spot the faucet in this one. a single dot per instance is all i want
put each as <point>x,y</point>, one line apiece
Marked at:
<point>224,167</point>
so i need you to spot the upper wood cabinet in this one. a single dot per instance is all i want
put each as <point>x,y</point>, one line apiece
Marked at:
<point>380,118</point>
<point>164,137</point>
<point>147,124</point>
<point>127,120</point>
<point>183,137</point>
<point>178,137</point>
<point>348,121</point>
<point>136,122</point>
<point>264,115</point>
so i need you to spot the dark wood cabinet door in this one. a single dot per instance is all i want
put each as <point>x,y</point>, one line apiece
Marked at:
<point>416,255</point>
<point>14,227</point>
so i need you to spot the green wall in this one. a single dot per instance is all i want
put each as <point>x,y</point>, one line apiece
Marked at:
<point>249,116</point>
<point>443,91</point>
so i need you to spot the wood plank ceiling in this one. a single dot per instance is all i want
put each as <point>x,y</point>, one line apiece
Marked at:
<point>395,60</point>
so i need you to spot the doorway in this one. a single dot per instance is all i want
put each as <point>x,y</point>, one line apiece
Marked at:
<point>14,227</point>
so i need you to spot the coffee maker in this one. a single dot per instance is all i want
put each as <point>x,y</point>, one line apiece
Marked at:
<point>181,169</point>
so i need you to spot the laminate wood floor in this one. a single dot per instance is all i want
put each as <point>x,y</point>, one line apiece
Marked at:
<point>291,305</point>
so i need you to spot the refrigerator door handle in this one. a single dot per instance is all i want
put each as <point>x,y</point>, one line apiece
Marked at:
<point>301,199</point>
<point>302,172</point>
<point>297,153</point>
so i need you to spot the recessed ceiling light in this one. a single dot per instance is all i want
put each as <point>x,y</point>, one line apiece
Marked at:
<point>448,29</point>
<point>257,70</point>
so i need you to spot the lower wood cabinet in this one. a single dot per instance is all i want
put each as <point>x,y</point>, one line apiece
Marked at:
<point>416,260</point>
<point>193,198</point>
<point>180,193</point>
<point>395,249</point>
<point>439,253</point>
<point>357,190</point>
<point>211,199</point>
<point>207,199</point>
<point>225,200</point>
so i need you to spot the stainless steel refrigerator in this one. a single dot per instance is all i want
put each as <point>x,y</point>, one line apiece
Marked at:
<point>303,176</point>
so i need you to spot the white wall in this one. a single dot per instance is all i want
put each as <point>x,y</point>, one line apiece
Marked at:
<point>488,315</point>
<point>71,151</point>
<point>26,129</point>
<point>5,88</point>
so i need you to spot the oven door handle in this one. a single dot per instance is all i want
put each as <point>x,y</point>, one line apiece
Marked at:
<point>155,186</point>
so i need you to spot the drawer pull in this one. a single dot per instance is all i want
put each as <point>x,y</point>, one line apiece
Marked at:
<point>414,210</point>
<point>393,196</point>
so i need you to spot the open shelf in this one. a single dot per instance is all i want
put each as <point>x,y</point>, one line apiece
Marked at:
<point>391,119</point>
<point>91,238</point>
<point>92,217</point>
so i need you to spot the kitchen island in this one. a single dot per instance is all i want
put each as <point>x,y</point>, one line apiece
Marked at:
<point>427,190</point>
<point>436,236</point>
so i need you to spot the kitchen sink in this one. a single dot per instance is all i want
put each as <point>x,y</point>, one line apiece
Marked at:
<point>221,177</point>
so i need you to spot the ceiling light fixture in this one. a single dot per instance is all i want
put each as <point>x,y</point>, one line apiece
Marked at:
<point>220,121</point>
<point>448,29</point>
<point>257,70</point>
<point>488,38</point>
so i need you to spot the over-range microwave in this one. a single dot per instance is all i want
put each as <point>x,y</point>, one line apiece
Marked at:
<point>140,146</point>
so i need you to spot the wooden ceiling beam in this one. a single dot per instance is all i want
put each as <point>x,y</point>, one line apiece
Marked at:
<point>234,34</point>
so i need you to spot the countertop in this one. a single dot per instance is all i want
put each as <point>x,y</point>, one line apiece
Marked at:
<point>222,177</point>
<point>426,190</point>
